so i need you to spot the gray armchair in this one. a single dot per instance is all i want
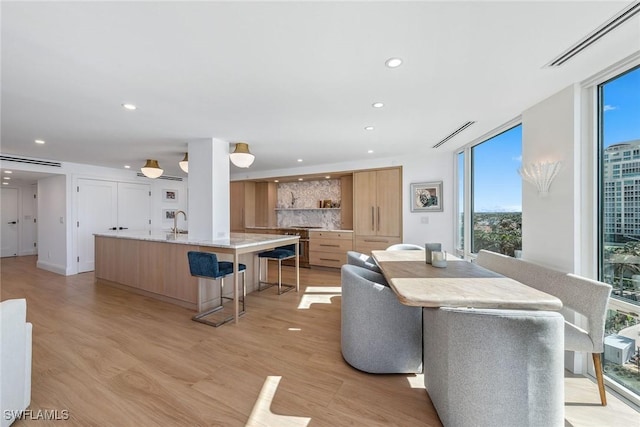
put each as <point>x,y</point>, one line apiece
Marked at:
<point>494,368</point>
<point>379,334</point>
<point>362,260</point>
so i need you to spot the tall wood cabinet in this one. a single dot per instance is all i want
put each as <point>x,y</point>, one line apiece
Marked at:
<point>252,204</point>
<point>377,196</point>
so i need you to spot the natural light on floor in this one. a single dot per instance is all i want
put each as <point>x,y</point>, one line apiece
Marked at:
<point>318,295</point>
<point>261,414</point>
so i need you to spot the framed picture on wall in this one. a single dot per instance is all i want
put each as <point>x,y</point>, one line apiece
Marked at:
<point>426,197</point>
<point>168,215</point>
<point>169,195</point>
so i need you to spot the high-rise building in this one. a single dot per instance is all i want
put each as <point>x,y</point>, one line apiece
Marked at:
<point>621,172</point>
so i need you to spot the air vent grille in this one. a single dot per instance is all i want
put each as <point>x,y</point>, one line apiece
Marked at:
<point>30,161</point>
<point>168,178</point>
<point>626,14</point>
<point>454,133</point>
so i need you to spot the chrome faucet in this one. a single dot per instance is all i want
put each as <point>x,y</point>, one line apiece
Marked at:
<point>175,221</point>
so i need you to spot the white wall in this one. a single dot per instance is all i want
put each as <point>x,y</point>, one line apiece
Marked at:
<point>549,223</point>
<point>52,224</point>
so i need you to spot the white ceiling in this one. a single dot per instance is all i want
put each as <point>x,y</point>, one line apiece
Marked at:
<point>293,79</point>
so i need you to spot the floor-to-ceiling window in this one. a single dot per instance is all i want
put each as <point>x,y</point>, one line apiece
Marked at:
<point>494,196</point>
<point>619,220</point>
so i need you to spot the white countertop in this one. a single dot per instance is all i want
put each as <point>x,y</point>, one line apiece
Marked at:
<point>235,241</point>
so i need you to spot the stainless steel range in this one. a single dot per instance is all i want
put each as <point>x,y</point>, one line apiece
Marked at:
<point>303,232</point>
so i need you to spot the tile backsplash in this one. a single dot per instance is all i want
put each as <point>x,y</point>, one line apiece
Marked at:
<point>298,196</point>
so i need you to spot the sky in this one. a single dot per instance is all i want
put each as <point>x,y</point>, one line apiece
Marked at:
<point>621,99</point>
<point>498,186</point>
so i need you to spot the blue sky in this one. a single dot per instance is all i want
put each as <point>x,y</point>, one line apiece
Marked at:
<point>497,183</point>
<point>621,99</point>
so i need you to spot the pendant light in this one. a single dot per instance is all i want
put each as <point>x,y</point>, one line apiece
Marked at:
<point>184,163</point>
<point>241,157</point>
<point>151,169</point>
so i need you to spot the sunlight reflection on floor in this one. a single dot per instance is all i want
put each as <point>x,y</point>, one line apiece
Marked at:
<point>318,295</point>
<point>261,414</point>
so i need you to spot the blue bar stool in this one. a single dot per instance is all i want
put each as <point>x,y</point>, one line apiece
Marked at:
<point>278,254</point>
<point>205,265</point>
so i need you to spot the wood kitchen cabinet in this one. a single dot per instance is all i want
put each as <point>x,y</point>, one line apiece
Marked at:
<point>328,248</point>
<point>242,203</point>
<point>377,196</point>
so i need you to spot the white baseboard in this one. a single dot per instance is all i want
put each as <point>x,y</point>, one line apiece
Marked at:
<point>54,268</point>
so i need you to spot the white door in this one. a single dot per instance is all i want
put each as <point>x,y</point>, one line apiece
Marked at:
<point>9,218</point>
<point>134,206</point>
<point>97,213</point>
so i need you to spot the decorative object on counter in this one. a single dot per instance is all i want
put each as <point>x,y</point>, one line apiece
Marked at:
<point>426,197</point>
<point>170,195</point>
<point>241,157</point>
<point>335,205</point>
<point>293,200</point>
<point>326,203</point>
<point>151,169</point>
<point>184,163</point>
<point>541,175</point>
<point>429,247</point>
<point>439,259</point>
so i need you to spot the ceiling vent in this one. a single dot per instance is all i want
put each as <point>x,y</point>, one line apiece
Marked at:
<point>454,133</point>
<point>168,178</point>
<point>30,161</point>
<point>613,23</point>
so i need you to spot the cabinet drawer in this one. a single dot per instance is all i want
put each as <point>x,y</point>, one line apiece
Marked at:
<point>327,259</point>
<point>366,244</point>
<point>331,235</point>
<point>330,245</point>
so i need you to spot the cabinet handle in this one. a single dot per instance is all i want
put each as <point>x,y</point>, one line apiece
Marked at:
<point>331,246</point>
<point>329,259</point>
<point>373,226</point>
<point>376,240</point>
<point>378,218</point>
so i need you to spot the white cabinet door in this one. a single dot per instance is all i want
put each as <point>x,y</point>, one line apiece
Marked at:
<point>134,206</point>
<point>9,218</point>
<point>108,205</point>
<point>97,213</point>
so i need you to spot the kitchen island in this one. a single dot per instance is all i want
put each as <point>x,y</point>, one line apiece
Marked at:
<point>155,263</point>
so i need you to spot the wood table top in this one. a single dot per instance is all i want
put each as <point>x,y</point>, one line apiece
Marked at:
<point>459,284</point>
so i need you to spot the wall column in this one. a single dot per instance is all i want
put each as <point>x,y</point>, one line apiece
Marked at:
<point>208,207</point>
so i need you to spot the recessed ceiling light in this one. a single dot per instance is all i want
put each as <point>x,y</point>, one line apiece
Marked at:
<point>5,183</point>
<point>377,105</point>
<point>368,128</point>
<point>299,179</point>
<point>8,171</point>
<point>7,178</point>
<point>127,167</point>
<point>328,176</point>
<point>299,160</point>
<point>393,62</point>
<point>39,141</point>
<point>370,151</point>
<point>276,180</point>
<point>130,107</point>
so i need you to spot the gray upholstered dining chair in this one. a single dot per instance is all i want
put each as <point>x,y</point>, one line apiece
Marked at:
<point>405,247</point>
<point>362,260</point>
<point>579,294</point>
<point>379,335</point>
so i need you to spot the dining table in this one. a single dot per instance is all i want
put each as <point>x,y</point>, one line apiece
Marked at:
<point>460,284</point>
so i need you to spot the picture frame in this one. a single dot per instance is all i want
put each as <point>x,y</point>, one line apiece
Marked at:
<point>170,196</point>
<point>168,215</point>
<point>426,197</point>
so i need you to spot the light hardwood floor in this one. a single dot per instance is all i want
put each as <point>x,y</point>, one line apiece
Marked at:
<point>111,357</point>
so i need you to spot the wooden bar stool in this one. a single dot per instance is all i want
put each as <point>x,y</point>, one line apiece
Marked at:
<point>278,254</point>
<point>205,265</point>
